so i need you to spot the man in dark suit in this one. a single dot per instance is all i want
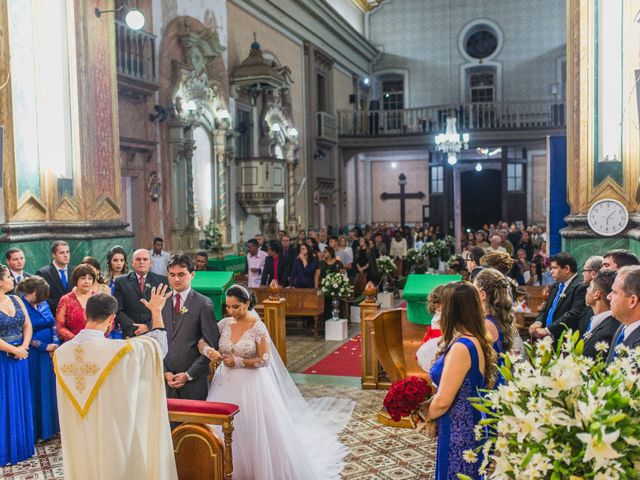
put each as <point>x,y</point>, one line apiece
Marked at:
<point>15,262</point>
<point>188,317</point>
<point>289,251</point>
<point>625,306</point>
<point>276,266</point>
<point>58,273</point>
<point>566,300</point>
<point>132,316</point>
<point>597,324</point>
<point>618,258</point>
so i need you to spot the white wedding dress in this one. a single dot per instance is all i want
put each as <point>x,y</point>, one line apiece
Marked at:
<point>277,435</point>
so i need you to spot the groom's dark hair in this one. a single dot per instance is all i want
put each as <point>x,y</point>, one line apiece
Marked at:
<point>182,260</point>
<point>100,307</point>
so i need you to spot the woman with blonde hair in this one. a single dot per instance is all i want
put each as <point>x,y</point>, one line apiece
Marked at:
<point>429,347</point>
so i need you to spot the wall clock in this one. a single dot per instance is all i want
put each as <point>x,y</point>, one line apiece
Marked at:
<point>608,217</point>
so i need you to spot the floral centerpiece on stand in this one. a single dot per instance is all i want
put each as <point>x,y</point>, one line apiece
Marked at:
<point>417,259</point>
<point>432,254</point>
<point>213,238</point>
<point>386,266</point>
<point>336,285</point>
<point>561,415</point>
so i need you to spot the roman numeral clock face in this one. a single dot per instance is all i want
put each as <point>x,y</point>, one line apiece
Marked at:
<point>608,217</point>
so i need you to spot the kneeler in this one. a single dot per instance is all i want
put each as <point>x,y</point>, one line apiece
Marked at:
<point>199,452</point>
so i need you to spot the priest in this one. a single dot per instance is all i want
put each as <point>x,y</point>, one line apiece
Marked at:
<point>111,398</point>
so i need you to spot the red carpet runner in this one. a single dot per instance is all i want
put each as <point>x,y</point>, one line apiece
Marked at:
<point>346,361</point>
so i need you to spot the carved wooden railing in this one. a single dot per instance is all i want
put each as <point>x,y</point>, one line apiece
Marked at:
<point>274,317</point>
<point>470,117</point>
<point>136,54</point>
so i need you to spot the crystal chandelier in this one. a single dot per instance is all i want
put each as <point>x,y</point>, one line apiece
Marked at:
<point>451,142</point>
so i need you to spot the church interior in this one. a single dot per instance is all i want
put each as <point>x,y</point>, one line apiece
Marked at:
<point>211,124</point>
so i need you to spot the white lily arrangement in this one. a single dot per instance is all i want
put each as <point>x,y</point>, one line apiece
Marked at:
<point>386,265</point>
<point>336,285</point>
<point>561,415</point>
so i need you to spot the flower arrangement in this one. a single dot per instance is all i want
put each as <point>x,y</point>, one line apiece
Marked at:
<point>336,285</point>
<point>444,250</point>
<point>385,265</point>
<point>405,396</point>
<point>213,237</point>
<point>430,250</point>
<point>415,256</point>
<point>562,415</point>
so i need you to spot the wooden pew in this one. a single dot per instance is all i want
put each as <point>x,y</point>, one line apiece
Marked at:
<point>301,302</point>
<point>199,452</point>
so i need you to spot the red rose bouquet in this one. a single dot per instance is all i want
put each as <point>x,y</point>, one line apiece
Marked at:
<point>405,396</point>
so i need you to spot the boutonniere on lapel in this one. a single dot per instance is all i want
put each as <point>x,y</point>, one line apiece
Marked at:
<point>147,285</point>
<point>183,310</point>
<point>563,295</point>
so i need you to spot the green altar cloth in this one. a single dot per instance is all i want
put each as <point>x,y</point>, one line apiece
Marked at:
<point>417,289</point>
<point>213,285</point>
<point>230,263</point>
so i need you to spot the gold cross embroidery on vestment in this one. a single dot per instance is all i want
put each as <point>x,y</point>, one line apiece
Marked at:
<point>80,369</point>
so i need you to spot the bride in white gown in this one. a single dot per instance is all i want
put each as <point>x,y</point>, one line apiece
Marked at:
<point>278,435</point>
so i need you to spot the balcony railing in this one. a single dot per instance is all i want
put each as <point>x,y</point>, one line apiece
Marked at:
<point>136,54</point>
<point>470,117</point>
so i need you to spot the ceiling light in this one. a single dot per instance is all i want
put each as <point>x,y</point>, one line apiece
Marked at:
<point>134,19</point>
<point>478,167</point>
<point>394,164</point>
<point>452,160</point>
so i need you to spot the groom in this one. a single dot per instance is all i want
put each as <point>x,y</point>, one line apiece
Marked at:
<point>188,316</point>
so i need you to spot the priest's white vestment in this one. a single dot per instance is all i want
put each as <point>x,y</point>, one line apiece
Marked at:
<point>113,410</point>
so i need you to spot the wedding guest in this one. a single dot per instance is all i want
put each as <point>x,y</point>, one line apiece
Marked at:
<point>505,243</point>
<point>255,263</point>
<point>534,277</point>
<point>16,418</point>
<point>306,271</point>
<point>496,244</point>
<point>133,317</point>
<point>261,243</point>
<point>566,300</point>
<point>15,262</point>
<point>615,259</point>
<point>276,267</point>
<point>288,250</point>
<point>57,273</point>
<point>330,264</point>
<point>625,307</point>
<point>70,315</point>
<point>472,259</point>
<point>159,258</point>
<point>363,265</point>
<point>481,239</point>
<point>398,251</point>
<point>526,245</point>
<point>344,253</point>
<point>591,268</point>
<point>34,291</point>
<point>202,261</point>
<point>116,266</point>
<point>598,325</point>
<point>466,363</point>
<point>380,245</point>
<point>100,285</point>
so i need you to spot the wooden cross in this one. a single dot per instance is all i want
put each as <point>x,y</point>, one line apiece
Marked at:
<point>402,196</point>
<point>80,369</point>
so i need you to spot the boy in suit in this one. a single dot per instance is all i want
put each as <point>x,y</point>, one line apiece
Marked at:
<point>600,326</point>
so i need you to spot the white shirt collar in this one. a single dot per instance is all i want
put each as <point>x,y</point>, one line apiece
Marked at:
<point>17,274</point>
<point>88,335</point>
<point>629,329</point>
<point>183,295</point>
<point>57,267</point>
<point>598,319</point>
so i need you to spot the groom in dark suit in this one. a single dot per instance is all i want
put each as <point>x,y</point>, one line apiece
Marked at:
<point>566,300</point>
<point>132,316</point>
<point>188,316</point>
<point>58,273</point>
<point>599,325</point>
<point>625,306</point>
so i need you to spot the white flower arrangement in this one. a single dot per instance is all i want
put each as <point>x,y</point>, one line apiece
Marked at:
<point>385,265</point>
<point>415,256</point>
<point>336,285</point>
<point>561,415</point>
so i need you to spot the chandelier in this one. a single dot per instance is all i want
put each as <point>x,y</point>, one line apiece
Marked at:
<point>451,142</point>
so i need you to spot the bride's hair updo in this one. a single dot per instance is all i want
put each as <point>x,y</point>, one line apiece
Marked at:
<point>243,294</point>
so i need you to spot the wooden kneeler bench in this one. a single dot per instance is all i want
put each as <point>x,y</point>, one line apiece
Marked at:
<point>199,452</point>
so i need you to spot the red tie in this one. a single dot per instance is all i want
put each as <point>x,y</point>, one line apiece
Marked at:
<point>141,281</point>
<point>176,305</point>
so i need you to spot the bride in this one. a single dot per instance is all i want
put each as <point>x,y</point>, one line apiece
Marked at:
<point>277,434</point>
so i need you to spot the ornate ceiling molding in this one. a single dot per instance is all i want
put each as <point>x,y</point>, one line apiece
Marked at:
<point>368,5</point>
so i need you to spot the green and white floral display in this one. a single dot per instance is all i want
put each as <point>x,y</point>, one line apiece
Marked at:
<point>336,285</point>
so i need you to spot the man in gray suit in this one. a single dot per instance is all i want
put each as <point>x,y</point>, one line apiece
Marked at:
<point>625,306</point>
<point>188,317</point>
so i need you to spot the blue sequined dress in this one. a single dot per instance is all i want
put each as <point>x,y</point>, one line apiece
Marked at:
<point>43,379</point>
<point>16,422</point>
<point>456,426</point>
<point>498,346</point>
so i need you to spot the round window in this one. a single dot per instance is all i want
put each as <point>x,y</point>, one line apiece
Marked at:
<point>481,44</point>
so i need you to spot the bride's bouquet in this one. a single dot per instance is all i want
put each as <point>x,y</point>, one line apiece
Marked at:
<point>336,285</point>
<point>410,397</point>
<point>562,415</point>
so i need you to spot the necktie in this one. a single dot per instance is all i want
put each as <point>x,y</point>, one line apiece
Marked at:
<point>619,340</point>
<point>552,310</point>
<point>589,325</point>
<point>19,278</point>
<point>176,305</point>
<point>141,283</point>
<point>63,278</point>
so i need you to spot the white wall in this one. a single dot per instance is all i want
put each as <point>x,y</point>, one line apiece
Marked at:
<point>350,12</point>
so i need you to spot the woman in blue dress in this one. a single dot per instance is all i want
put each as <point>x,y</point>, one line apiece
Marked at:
<point>16,422</point>
<point>497,305</point>
<point>466,363</point>
<point>34,291</point>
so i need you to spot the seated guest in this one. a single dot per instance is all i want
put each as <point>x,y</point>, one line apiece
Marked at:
<point>616,259</point>
<point>56,274</point>
<point>101,285</point>
<point>116,265</point>
<point>130,289</point>
<point>16,419</point>
<point>591,268</point>
<point>467,363</point>
<point>625,307</point>
<point>202,261</point>
<point>534,275</point>
<point>306,272</point>
<point>159,258</point>
<point>70,315</point>
<point>597,324</point>
<point>565,304</point>
<point>496,244</point>
<point>255,263</point>
<point>34,291</point>
<point>276,267</point>
<point>15,262</point>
